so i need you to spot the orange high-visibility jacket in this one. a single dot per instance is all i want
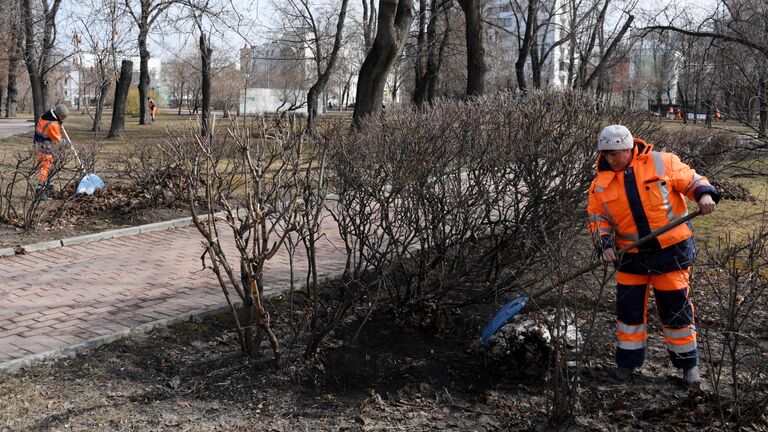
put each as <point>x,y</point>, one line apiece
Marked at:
<point>48,130</point>
<point>625,206</point>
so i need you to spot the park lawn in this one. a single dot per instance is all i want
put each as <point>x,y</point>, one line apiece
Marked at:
<point>729,126</point>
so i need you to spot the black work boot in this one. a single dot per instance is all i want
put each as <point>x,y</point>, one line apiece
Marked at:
<point>623,373</point>
<point>41,192</point>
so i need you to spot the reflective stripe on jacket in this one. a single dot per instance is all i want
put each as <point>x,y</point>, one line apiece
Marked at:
<point>648,194</point>
<point>48,130</point>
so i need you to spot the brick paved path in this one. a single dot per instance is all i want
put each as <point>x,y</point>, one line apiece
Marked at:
<point>56,301</point>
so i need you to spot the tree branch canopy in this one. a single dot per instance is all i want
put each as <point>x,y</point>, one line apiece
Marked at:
<point>763,49</point>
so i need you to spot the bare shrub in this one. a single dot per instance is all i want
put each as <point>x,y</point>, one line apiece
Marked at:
<point>707,151</point>
<point>736,274</point>
<point>275,198</point>
<point>20,202</point>
<point>150,170</point>
<point>455,195</point>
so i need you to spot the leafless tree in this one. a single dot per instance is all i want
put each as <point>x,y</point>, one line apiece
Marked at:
<point>394,22</point>
<point>40,42</point>
<point>181,76</point>
<point>578,29</point>
<point>117,127</point>
<point>5,48</point>
<point>145,14</point>
<point>226,86</point>
<point>15,44</point>
<point>368,23</point>
<point>103,39</point>
<point>475,36</point>
<point>317,30</point>
<point>731,24</point>
<point>595,54</point>
<point>427,54</point>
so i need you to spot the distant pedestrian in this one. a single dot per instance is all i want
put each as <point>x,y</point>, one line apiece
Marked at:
<point>152,108</point>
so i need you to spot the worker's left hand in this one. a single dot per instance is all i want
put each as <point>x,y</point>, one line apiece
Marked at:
<point>706,204</point>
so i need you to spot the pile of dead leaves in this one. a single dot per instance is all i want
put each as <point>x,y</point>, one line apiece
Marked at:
<point>116,199</point>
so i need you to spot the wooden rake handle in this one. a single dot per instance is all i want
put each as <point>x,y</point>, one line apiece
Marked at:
<point>72,146</point>
<point>659,231</point>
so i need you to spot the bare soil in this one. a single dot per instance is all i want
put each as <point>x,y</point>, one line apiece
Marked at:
<point>401,373</point>
<point>117,206</point>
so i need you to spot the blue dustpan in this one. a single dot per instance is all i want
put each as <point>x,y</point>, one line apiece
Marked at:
<point>90,181</point>
<point>502,316</point>
<point>89,184</point>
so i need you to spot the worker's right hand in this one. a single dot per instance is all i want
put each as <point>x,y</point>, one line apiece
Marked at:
<point>66,143</point>
<point>608,256</point>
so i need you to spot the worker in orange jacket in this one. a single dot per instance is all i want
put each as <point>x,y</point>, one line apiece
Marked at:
<point>47,133</point>
<point>152,108</point>
<point>636,191</point>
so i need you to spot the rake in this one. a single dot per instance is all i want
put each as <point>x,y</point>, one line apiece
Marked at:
<point>90,181</point>
<point>516,304</point>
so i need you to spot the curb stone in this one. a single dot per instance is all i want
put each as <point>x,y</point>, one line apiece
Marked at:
<point>14,365</point>
<point>41,246</point>
<point>121,232</point>
<point>89,238</point>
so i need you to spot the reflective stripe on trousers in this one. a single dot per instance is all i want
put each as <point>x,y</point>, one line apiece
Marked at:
<point>675,309</point>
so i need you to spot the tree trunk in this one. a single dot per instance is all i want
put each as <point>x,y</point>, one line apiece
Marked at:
<point>696,104</point>
<point>536,64</point>
<point>422,48</point>
<point>13,73</point>
<point>427,76</point>
<point>395,18</point>
<point>369,19</point>
<point>181,97</point>
<point>345,94</point>
<point>38,60</point>
<point>121,95</point>
<point>103,90</point>
<point>525,47</point>
<point>205,56</point>
<point>475,35</point>
<point>30,58</point>
<point>763,105</point>
<point>143,73</point>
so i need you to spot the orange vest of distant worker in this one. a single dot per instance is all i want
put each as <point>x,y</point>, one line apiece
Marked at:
<point>48,131</point>
<point>661,181</point>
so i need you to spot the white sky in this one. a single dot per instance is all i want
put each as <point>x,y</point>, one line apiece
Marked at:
<point>172,40</point>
